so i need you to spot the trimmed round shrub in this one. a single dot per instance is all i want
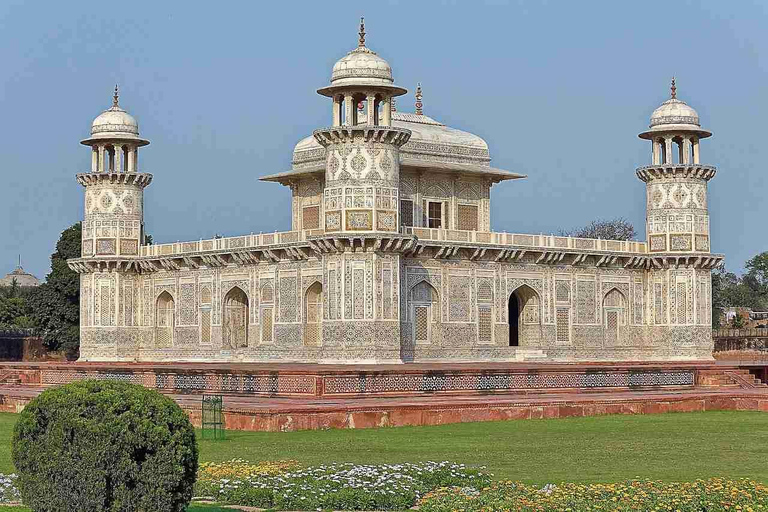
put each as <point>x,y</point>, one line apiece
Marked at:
<point>96,446</point>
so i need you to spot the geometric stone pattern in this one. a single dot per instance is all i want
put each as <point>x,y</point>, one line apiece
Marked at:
<point>563,325</point>
<point>363,383</point>
<point>438,381</point>
<point>172,315</point>
<point>195,382</point>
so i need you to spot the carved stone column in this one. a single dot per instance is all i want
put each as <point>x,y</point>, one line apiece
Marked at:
<point>102,159</point>
<point>118,159</point>
<point>349,108</point>
<point>130,164</point>
<point>386,112</point>
<point>371,110</point>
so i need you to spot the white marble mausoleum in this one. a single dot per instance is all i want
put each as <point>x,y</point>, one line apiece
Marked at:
<point>391,257</point>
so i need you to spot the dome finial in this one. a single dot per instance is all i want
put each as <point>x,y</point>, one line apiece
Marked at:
<point>115,97</point>
<point>418,99</point>
<point>361,41</point>
<point>673,89</point>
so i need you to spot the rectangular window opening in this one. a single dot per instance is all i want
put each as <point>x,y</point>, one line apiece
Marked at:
<point>435,214</point>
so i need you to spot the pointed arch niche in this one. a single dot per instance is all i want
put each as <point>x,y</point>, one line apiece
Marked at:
<point>524,315</point>
<point>614,315</point>
<point>313,314</point>
<point>165,320</point>
<point>235,319</point>
<point>424,311</point>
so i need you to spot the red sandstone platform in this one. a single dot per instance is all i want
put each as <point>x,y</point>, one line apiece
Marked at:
<point>282,397</point>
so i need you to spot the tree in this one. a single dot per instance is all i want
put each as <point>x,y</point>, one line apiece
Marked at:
<point>14,313</point>
<point>748,291</point>
<point>108,446</point>
<point>614,229</point>
<point>55,304</point>
<point>756,279</point>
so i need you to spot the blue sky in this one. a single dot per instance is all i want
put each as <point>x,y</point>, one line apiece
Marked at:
<point>224,90</point>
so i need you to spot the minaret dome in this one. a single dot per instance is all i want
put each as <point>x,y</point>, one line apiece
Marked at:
<point>362,77</point>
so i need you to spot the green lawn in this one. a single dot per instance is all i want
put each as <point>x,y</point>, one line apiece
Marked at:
<point>671,447</point>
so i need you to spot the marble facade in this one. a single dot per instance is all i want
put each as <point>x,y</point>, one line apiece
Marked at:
<point>391,257</point>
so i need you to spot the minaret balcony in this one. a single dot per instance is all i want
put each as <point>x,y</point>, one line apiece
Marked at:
<point>371,133</point>
<point>661,171</point>
<point>139,179</point>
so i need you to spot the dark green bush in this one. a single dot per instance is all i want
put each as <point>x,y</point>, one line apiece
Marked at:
<point>96,446</point>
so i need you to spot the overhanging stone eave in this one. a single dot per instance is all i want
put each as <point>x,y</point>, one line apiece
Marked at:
<point>287,177</point>
<point>476,170</point>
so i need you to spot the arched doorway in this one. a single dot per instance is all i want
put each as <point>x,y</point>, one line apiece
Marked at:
<point>514,320</point>
<point>236,319</point>
<point>313,314</point>
<point>614,315</point>
<point>425,313</point>
<point>165,320</point>
<point>522,312</point>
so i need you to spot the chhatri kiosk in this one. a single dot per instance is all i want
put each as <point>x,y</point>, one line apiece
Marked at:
<point>390,257</point>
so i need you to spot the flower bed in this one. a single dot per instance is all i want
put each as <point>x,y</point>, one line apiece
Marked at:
<point>341,486</point>
<point>711,495</point>
<point>445,486</point>
<point>239,468</point>
<point>8,491</point>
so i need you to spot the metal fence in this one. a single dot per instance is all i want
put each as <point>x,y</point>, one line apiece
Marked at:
<point>741,344</point>
<point>212,419</point>
<point>740,333</point>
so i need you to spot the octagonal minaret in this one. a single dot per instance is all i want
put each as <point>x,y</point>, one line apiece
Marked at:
<point>362,175</point>
<point>677,219</point>
<point>114,189</point>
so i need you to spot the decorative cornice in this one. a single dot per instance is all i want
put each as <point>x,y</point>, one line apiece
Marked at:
<point>362,73</point>
<point>383,243</point>
<point>111,128</point>
<point>657,121</point>
<point>139,179</point>
<point>671,171</point>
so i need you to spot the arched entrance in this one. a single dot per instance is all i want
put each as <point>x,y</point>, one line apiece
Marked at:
<point>165,320</point>
<point>522,312</point>
<point>236,319</point>
<point>313,314</point>
<point>424,301</point>
<point>514,320</point>
<point>614,315</point>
